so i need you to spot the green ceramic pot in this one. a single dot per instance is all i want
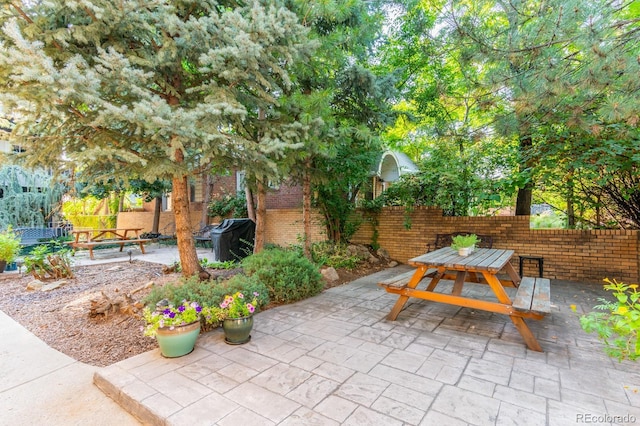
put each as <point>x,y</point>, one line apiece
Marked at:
<point>237,330</point>
<point>178,341</point>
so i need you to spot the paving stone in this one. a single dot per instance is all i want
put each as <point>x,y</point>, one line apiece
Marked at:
<point>206,411</point>
<point>521,398</point>
<point>366,417</point>
<point>562,415</point>
<point>537,369</point>
<point>179,388</point>
<point>398,410</point>
<point>434,418</point>
<point>470,407</point>
<point>238,373</point>
<point>375,348</point>
<point>218,382</point>
<point>334,372</point>
<point>336,408</point>
<point>521,381</point>
<point>307,417</point>
<point>363,361</point>
<point>244,416</point>
<point>312,391</point>
<point>582,400</point>
<point>332,352</point>
<point>630,414</point>
<point>371,334</point>
<point>250,359</point>
<point>403,360</point>
<point>407,396</point>
<point>596,382</point>
<point>480,386</point>
<point>362,389</point>
<point>306,362</point>
<point>203,367</point>
<point>269,404</point>
<point>281,378</point>
<point>513,415</point>
<point>547,388</point>
<point>409,380</point>
<point>160,406</point>
<point>488,371</point>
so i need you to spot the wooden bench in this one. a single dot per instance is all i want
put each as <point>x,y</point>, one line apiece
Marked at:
<point>37,236</point>
<point>400,281</point>
<point>445,240</point>
<point>91,244</point>
<point>534,295</point>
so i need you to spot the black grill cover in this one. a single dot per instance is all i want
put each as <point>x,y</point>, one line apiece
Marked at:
<point>233,239</point>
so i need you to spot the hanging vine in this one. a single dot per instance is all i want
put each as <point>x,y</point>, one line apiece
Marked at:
<point>27,197</point>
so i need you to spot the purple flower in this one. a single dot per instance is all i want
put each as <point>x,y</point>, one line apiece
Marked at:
<point>172,314</point>
<point>181,308</point>
<point>250,307</point>
<point>166,311</point>
<point>198,309</point>
<point>256,294</point>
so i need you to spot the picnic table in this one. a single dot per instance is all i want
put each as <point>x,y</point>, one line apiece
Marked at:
<point>90,238</point>
<point>532,300</point>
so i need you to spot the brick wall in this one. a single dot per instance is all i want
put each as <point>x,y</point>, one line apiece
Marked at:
<point>572,255</point>
<point>568,254</point>
<point>284,227</point>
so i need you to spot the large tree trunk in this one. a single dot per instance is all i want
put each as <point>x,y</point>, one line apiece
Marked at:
<point>523,202</point>
<point>306,209</point>
<point>204,218</point>
<point>186,245</point>
<point>251,208</point>
<point>157,208</point>
<point>261,215</point>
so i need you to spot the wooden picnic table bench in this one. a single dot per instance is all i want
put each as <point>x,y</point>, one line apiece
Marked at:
<point>90,238</point>
<point>532,299</point>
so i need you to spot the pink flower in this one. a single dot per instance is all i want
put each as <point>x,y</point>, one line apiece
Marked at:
<point>240,296</point>
<point>250,307</point>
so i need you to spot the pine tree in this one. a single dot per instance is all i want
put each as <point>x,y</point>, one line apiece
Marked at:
<point>152,90</point>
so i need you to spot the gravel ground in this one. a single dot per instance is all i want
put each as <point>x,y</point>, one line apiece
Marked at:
<point>60,317</point>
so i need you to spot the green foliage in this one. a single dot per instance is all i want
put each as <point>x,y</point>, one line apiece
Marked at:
<point>618,326</point>
<point>549,221</point>
<point>207,293</point>
<point>9,245</point>
<point>184,313</point>
<point>81,213</point>
<point>462,241</point>
<point>288,276</point>
<point>337,255</point>
<point>49,262</point>
<point>28,197</point>
<point>229,264</point>
<point>229,206</point>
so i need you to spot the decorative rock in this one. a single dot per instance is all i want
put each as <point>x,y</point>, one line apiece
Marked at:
<point>373,260</point>
<point>330,274</point>
<point>392,264</point>
<point>383,254</point>
<point>35,285</point>
<point>53,285</point>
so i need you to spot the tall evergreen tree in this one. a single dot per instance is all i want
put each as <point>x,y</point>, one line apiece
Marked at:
<point>154,90</point>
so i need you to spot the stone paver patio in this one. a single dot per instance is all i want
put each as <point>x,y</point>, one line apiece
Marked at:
<point>334,359</point>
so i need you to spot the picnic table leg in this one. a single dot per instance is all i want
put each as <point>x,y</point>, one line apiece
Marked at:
<point>518,321</point>
<point>402,299</point>
<point>436,278</point>
<point>91,252</point>
<point>515,277</point>
<point>142,248</point>
<point>459,282</point>
<point>526,333</point>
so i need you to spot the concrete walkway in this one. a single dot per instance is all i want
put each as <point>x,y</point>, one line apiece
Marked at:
<point>334,359</point>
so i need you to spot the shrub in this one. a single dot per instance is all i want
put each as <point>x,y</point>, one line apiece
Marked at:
<point>328,253</point>
<point>206,293</point>
<point>619,324</point>
<point>288,276</point>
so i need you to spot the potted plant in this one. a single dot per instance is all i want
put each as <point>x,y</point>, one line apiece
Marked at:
<point>9,247</point>
<point>464,243</point>
<point>238,317</point>
<point>176,328</point>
